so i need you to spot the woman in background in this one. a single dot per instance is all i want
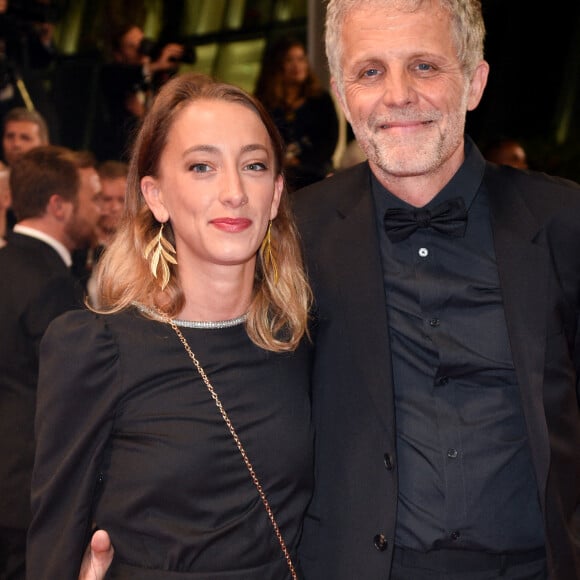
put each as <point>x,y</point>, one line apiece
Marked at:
<point>177,418</point>
<point>302,110</point>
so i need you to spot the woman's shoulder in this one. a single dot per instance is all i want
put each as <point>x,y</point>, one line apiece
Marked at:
<point>84,326</point>
<point>82,318</point>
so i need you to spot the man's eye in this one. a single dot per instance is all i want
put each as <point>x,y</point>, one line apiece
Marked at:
<point>371,72</point>
<point>424,67</point>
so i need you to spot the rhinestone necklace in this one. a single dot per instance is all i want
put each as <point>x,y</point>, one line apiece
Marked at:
<point>203,324</point>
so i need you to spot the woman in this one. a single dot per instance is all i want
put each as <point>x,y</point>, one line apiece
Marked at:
<point>130,436</point>
<point>302,110</point>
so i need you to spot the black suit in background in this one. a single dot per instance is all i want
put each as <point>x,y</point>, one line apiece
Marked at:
<point>36,287</point>
<point>350,525</point>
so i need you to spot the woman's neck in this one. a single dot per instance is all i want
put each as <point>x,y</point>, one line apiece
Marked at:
<point>219,295</point>
<point>293,96</point>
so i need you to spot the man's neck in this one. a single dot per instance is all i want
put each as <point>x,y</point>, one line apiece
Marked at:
<point>29,228</point>
<point>46,227</point>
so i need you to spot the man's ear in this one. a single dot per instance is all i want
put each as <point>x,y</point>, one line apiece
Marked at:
<point>154,198</point>
<point>477,85</point>
<point>59,207</point>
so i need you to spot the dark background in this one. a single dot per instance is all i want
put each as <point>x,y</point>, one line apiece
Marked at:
<point>533,49</point>
<point>533,92</point>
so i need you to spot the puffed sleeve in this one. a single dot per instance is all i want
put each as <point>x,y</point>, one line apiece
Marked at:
<point>78,392</point>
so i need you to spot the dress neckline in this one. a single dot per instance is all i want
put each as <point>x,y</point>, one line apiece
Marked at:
<point>202,324</point>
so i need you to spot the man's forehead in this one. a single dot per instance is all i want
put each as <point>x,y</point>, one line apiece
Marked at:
<point>28,127</point>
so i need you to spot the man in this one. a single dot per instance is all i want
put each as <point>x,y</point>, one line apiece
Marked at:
<point>23,130</point>
<point>56,203</point>
<point>445,373</point>
<point>5,203</point>
<point>506,151</point>
<point>128,83</point>
<point>113,177</point>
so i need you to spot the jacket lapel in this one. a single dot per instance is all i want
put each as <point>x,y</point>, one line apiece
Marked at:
<point>361,290</point>
<point>523,263</point>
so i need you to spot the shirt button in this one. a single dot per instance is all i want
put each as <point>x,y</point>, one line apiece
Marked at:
<point>388,461</point>
<point>455,535</point>
<point>434,322</point>
<point>441,381</point>
<point>380,542</point>
<point>452,454</point>
<point>423,252</point>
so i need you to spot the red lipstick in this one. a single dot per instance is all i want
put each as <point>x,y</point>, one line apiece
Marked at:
<point>232,225</point>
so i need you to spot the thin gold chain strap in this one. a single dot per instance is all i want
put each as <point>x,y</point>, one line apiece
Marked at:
<point>239,444</point>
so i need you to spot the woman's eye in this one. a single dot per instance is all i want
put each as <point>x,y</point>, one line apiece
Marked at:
<point>256,166</point>
<point>199,167</point>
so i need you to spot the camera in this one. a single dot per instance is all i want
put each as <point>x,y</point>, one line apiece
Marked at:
<point>152,49</point>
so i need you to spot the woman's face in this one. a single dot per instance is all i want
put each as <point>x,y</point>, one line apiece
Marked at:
<point>217,185</point>
<point>295,65</point>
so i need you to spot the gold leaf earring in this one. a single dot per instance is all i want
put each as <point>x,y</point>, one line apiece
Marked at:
<point>158,253</point>
<point>267,254</point>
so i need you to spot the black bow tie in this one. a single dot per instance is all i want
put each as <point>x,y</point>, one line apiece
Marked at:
<point>449,217</point>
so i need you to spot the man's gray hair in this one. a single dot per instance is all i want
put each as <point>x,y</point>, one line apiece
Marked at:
<point>466,17</point>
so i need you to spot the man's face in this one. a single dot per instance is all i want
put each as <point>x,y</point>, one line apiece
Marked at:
<point>19,137</point>
<point>405,93</point>
<point>112,203</point>
<point>129,47</point>
<point>5,195</point>
<point>81,224</point>
<point>510,153</point>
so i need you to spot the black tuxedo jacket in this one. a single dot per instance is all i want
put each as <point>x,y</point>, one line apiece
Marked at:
<point>36,287</point>
<point>349,528</point>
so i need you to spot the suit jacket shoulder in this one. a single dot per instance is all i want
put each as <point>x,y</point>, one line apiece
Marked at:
<point>336,196</point>
<point>544,195</point>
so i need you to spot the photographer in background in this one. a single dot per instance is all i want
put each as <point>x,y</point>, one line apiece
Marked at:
<point>27,53</point>
<point>128,83</point>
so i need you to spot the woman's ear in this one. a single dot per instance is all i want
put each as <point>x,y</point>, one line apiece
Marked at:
<point>154,198</point>
<point>278,189</point>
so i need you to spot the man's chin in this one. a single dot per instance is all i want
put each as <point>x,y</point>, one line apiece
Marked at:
<point>400,167</point>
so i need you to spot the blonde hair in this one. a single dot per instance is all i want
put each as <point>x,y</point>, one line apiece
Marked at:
<point>278,314</point>
<point>468,29</point>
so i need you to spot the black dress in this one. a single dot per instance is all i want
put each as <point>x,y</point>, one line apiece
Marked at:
<point>129,438</point>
